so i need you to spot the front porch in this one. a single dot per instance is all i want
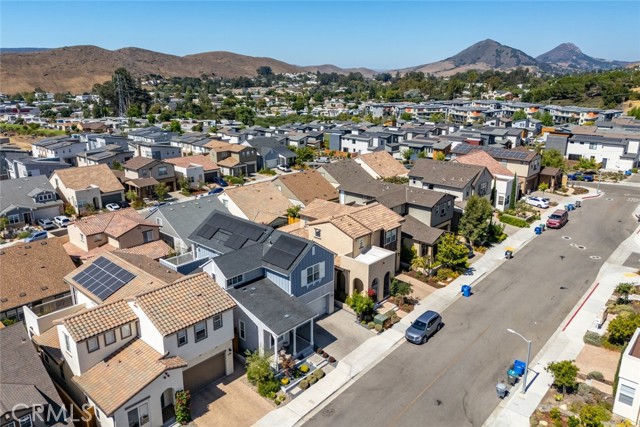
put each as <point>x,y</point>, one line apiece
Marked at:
<point>370,271</point>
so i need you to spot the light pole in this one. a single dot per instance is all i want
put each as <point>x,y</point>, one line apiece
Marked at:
<point>598,187</point>
<point>526,369</point>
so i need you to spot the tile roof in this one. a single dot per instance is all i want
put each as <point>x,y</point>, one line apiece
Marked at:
<point>383,164</point>
<point>96,320</point>
<point>84,177</point>
<point>200,160</point>
<point>320,208</point>
<point>308,185</point>
<point>347,225</point>
<point>32,271</point>
<point>116,379</point>
<point>482,158</point>
<point>114,224</point>
<point>364,220</point>
<point>183,303</point>
<point>456,175</point>
<point>260,201</point>
<point>139,162</point>
<point>154,250</point>
<point>221,146</point>
<point>49,342</point>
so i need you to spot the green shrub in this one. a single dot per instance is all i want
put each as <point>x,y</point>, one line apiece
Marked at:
<point>183,407</point>
<point>319,373</point>
<point>595,375</point>
<point>593,338</point>
<point>594,415</point>
<point>312,379</point>
<point>378,328</point>
<point>444,274</point>
<point>266,388</point>
<point>573,422</point>
<point>555,413</point>
<point>371,325</point>
<point>512,220</point>
<point>622,328</point>
<point>621,309</point>
<point>266,171</point>
<point>304,384</point>
<point>634,170</point>
<point>23,234</point>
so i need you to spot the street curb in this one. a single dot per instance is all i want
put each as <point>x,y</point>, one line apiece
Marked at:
<point>592,197</point>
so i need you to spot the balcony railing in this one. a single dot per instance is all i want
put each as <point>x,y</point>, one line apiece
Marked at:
<point>51,306</point>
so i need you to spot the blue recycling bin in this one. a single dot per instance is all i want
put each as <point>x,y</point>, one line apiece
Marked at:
<point>519,366</point>
<point>466,290</point>
<point>538,230</point>
<point>571,206</point>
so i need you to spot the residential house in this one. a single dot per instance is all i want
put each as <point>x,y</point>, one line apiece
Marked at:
<point>110,155</point>
<point>381,164</point>
<point>342,172</point>
<point>424,240</point>
<point>552,177</point>
<point>459,180</point>
<point>32,275</point>
<point>122,229</point>
<point>191,143</point>
<point>614,151</point>
<point>272,152</point>
<point>521,161</point>
<point>8,153</point>
<point>233,159</point>
<point>24,167</point>
<point>627,396</point>
<point>93,127</point>
<point>64,148</point>
<point>26,200</point>
<point>28,396</point>
<point>365,239</point>
<point>142,174</point>
<point>196,169</point>
<point>304,187</point>
<point>262,203</point>
<point>503,178</point>
<point>178,221</point>
<point>90,185</point>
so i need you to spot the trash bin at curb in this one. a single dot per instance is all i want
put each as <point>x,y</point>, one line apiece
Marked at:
<point>541,226</point>
<point>508,254</point>
<point>501,390</point>
<point>578,203</point>
<point>466,290</point>
<point>538,230</point>
<point>512,377</point>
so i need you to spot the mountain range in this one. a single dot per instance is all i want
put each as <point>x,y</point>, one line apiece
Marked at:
<point>77,68</point>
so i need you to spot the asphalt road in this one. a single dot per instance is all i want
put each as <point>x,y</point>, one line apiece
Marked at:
<point>450,381</point>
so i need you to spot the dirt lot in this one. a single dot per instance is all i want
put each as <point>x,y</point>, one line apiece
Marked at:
<point>24,141</point>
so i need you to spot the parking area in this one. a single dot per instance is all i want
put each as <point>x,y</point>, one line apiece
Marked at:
<point>228,402</point>
<point>339,334</point>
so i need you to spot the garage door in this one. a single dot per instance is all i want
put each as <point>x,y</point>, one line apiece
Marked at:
<point>204,373</point>
<point>319,306</point>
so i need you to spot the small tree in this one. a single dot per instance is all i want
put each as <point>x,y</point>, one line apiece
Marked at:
<point>593,415</point>
<point>161,189</point>
<point>361,304</point>
<point>406,155</point>
<point>625,289</point>
<point>4,223</point>
<point>131,196</point>
<point>422,154</point>
<point>69,210</point>
<point>440,156</point>
<point>452,253</point>
<point>437,117</point>
<point>564,374</point>
<point>514,192</point>
<point>543,187</point>
<point>183,407</point>
<point>586,163</point>
<point>474,224</point>
<point>553,158</point>
<point>622,328</point>
<point>117,165</point>
<point>294,211</point>
<point>519,115</point>
<point>185,187</point>
<point>401,290</point>
<point>418,263</point>
<point>260,373</point>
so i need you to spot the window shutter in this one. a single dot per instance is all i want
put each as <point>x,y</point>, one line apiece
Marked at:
<point>303,277</point>
<point>322,270</point>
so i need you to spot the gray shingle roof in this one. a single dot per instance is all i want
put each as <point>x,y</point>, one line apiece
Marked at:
<point>445,173</point>
<point>15,192</point>
<point>420,232</point>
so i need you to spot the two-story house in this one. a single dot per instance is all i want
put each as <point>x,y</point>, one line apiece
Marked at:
<point>63,148</point>
<point>381,164</point>
<point>25,167</point>
<point>262,203</point>
<point>26,200</point>
<point>302,188</point>
<point>142,174</point>
<point>90,185</point>
<point>197,170</point>
<point>627,395</point>
<point>110,155</point>
<point>233,159</point>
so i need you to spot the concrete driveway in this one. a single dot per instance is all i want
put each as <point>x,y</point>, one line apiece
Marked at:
<point>228,402</point>
<point>339,334</point>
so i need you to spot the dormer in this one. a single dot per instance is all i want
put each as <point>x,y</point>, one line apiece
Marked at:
<point>42,196</point>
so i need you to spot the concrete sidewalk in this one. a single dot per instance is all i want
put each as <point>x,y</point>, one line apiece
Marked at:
<point>367,355</point>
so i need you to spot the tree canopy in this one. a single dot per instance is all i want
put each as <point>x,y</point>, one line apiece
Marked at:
<point>474,224</point>
<point>452,253</point>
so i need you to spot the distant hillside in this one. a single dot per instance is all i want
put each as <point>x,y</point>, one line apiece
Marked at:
<point>569,57</point>
<point>484,55</point>
<point>328,68</point>
<point>77,68</point>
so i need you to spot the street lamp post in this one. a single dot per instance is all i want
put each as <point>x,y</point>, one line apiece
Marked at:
<point>526,370</point>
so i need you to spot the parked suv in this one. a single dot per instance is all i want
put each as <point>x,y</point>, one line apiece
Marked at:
<point>423,327</point>
<point>37,235</point>
<point>558,219</point>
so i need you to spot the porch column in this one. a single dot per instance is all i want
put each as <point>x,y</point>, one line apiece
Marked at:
<point>311,332</point>
<point>275,349</point>
<point>294,340</point>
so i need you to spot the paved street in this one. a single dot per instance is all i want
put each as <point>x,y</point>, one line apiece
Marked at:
<point>450,381</point>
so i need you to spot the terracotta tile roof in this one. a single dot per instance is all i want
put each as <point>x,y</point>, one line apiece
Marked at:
<point>262,201</point>
<point>32,271</point>
<point>308,186</point>
<point>364,220</point>
<point>349,226</point>
<point>229,162</point>
<point>115,380</point>
<point>114,224</point>
<point>221,146</point>
<point>296,229</point>
<point>200,160</point>
<point>320,208</point>
<point>154,250</point>
<point>98,319</point>
<point>139,162</point>
<point>482,158</point>
<point>84,177</point>
<point>383,164</point>
<point>185,302</point>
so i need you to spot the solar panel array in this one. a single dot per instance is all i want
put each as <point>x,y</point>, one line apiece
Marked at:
<point>502,153</point>
<point>284,252</point>
<point>231,232</point>
<point>103,278</point>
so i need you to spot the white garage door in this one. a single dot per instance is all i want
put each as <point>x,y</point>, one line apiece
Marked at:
<point>319,306</point>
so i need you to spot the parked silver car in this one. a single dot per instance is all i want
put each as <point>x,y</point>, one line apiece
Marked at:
<point>423,327</point>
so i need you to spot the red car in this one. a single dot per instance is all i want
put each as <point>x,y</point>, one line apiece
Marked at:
<point>558,219</point>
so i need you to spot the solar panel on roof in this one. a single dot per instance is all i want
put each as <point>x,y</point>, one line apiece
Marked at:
<point>206,231</point>
<point>289,245</point>
<point>279,258</point>
<point>236,241</point>
<point>103,278</point>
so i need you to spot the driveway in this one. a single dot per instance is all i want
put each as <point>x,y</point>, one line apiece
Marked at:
<point>228,402</point>
<point>339,334</point>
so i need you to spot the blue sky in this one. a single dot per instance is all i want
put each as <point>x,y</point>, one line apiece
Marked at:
<point>373,34</point>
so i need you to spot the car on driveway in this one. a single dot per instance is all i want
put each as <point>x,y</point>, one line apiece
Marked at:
<point>37,235</point>
<point>538,202</point>
<point>423,327</point>
<point>112,207</point>
<point>217,190</point>
<point>62,221</point>
<point>221,182</point>
<point>124,204</point>
<point>284,168</point>
<point>46,223</point>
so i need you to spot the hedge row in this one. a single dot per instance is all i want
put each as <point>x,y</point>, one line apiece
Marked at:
<point>512,220</point>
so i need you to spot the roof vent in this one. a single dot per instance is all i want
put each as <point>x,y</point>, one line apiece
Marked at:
<point>43,243</point>
<point>286,316</point>
<point>44,288</point>
<point>27,246</point>
<point>4,300</point>
<point>23,294</point>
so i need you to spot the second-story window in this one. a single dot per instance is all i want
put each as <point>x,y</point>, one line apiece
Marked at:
<point>317,232</point>
<point>125,331</point>
<point>109,337</point>
<point>67,343</point>
<point>93,344</point>
<point>200,330</point>
<point>234,280</point>
<point>313,273</point>
<point>390,236</point>
<point>182,337</point>
<point>147,236</point>
<point>217,321</point>
<point>162,170</point>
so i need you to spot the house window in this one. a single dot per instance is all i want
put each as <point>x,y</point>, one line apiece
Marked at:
<point>243,335</point>
<point>217,321</point>
<point>200,330</point>
<point>317,232</point>
<point>390,236</point>
<point>138,416</point>
<point>125,331</point>
<point>500,200</point>
<point>234,280</point>
<point>360,243</point>
<point>159,221</point>
<point>483,189</point>
<point>147,236</point>
<point>26,421</point>
<point>182,337</point>
<point>67,344</point>
<point>14,219</point>
<point>82,237</point>
<point>109,337</point>
<point>93,344</point>
<point>144,172</point>
<point>593,146</point>
<point>162,170</point>
<point>313,273</point>
<point>626,394</point>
